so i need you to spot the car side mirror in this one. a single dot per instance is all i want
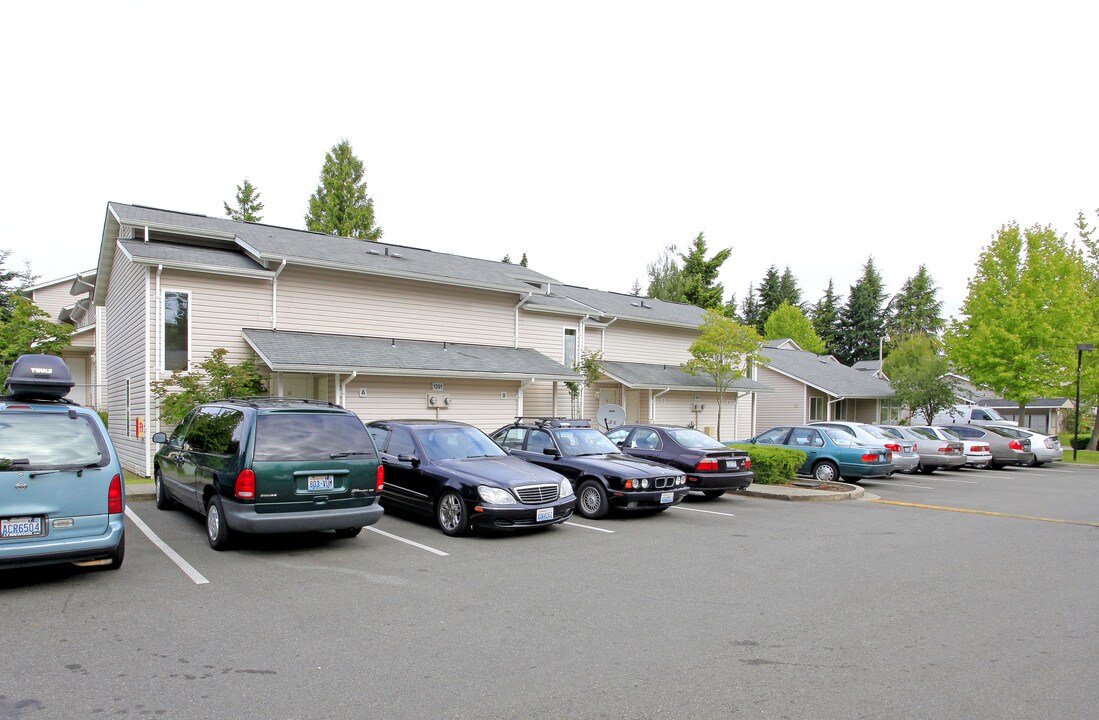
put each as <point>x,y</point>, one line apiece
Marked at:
<point>415,461</point>
<point>160,438</point>
<point>550,451</point>
<point>621,443</point>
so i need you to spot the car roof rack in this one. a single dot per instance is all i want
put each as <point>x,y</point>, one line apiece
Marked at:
<point>554,422</point>
<point>264,401</point>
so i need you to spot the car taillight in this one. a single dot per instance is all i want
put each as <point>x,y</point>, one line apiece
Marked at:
<point>982,448</point>
<point>893,446</point>
<point>707,464</point>
<point>915,447</point>
<point>947,449</point>
<point>381,479</point>
<point>114,496</point>
<point>869,457</point>
<point>246,485</point>
<point>748,464</point>
<point>1015,445</point>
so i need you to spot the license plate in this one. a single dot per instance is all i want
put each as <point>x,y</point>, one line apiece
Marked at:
<point>21,527</point>
<point>320,482</point>
<point>543,514</point>
<point>666,497</point>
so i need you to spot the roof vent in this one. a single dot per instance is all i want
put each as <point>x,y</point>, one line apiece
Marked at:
<point>372,252</point>
<point>42,377</point>
<point>642,305</point>
<point>396,255</point>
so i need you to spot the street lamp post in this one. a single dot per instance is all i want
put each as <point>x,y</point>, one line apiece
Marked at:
<point>1080,350</point>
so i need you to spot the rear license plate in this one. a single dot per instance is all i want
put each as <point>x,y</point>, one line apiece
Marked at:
<point>543,514</point>
<point>21,527</point>
<point>320,482</point>
<point>666,497</point>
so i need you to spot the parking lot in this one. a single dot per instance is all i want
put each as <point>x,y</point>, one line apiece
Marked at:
<point>957,594</point>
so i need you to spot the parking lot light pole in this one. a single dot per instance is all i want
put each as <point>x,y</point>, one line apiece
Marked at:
<point>1080,350</point>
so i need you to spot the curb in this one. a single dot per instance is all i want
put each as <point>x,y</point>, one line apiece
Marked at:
<point>782,492</point>
<point>140,489</point>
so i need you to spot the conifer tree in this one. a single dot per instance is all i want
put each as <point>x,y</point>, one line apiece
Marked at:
<point>826,317</point>
<point>340,205</point>
<point>861,324</point>
<point>915,310</point>
<point>248,206</point>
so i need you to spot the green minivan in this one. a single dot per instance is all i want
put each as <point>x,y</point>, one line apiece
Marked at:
<point>270,465</point>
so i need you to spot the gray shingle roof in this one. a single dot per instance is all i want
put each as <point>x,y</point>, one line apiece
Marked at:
<point>602,303</point>
<point>1046,403</point>
<point>284,351</point>
<point>276,243</point>
<point>178,254</point>
<point>827,374</point>
<point>646,375</point>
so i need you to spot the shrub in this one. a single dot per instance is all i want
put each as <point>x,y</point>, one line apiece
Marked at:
<point>773,465</point>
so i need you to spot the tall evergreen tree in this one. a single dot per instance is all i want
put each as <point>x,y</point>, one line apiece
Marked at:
<point>700,275</point>
<point>523,260</point>
<point>770,296</point>
<point>506,258</point>
<point>340,205</point>
<point>731,310</point>
<point>826,317</point>
<point>635,289</point>
<point>861,324</point>
<point>915,310</point>
<point>749,309</point>
<point>248,206</point>
<point>788,290</point>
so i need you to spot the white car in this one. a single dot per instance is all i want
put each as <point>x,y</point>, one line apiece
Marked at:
<point>1046,448</point>
<point>978,453</point>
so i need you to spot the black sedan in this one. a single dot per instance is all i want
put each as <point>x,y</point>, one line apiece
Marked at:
<point>711,468</point>
<point>604,476</point>
<point>456,474</point>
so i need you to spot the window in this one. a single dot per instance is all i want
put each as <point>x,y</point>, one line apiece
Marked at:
<point>774,436</point>
<point>890,412</point>
<point>400,443</point>
<point>839,412</point>
<point>646,439</point>
<point>177,329</point>
<point>282,437</point>
<point>44,440</point>
<point>816,409</point>
<point>538,441</point>
<point>570,348</point>
<point>618,435</point>
<point>512,438</point>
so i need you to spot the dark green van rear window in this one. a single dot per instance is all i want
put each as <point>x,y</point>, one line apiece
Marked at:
<point>310,436</point>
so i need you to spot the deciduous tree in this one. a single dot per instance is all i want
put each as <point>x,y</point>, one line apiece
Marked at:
<point>340,205</point>
<point>665,276</point>
<point>213,379</point>
<point>918,372</point>
<point>788,321</point>
<point>724,351</point>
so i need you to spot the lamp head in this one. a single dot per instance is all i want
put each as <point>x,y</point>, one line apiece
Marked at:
<point>1085,347</point>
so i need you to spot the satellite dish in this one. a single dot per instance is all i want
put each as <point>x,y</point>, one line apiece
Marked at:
<point>610,416</point>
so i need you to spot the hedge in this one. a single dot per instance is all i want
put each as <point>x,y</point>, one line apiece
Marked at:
<point>773,465</point>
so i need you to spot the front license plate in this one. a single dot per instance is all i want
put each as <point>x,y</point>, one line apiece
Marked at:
<point>21,527</point>
<point>320,482</point>
<point>666,497</point>
<point>543,514</point>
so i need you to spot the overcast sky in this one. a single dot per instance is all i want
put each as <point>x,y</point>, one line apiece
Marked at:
<point>588,135</point>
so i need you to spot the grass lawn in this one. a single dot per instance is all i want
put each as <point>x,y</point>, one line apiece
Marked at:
<point>130,479</point>
<point>1083,457</point>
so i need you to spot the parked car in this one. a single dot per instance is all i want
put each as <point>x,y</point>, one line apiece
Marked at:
<point>270,465</point>
<point>1006,449</point>
<point>711,467</point>
<point>1045,447</point>
<point>964,415</point>
<point>977,452</point>
<point>604,476</point>
<point>905,458</point>
<point>458,475</point>
<point>830,454</point>
<point>933,452</point>
<point>61,493</point>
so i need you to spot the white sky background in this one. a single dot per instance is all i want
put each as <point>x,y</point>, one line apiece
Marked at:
<point>588,135</point>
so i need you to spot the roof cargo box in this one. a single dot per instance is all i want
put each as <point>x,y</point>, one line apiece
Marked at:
<point>39,377</point>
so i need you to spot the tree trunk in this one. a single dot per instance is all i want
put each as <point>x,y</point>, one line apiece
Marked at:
<point>1094,432</point>
<point>1022,414</point>
<point>720,402</point>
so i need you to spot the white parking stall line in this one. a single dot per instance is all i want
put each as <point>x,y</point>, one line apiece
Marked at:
<point>172,554</point>
<point>891,484</point>
<point>946,479</point>
<point>588,527</point>
<point>406,541</point>
<point>708,512</point>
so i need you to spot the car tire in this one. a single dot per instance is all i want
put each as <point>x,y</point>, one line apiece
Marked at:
<point>451,514</point>
<point>217,532</point>
<point>591,500</point>
<point>118,555</point>
<point>713,494</point>
<point>995,466</point>
<point>164,501</point>
<point>826,471</point>
<point>1035,463</point>
<point>345,533</point>
<point>927,470</point>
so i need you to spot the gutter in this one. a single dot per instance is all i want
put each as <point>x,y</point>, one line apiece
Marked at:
<point>520,304</point>
<point>519,395</point>
<point>345,383</point>
<point>830,403</point>
<point>652,403</point>
<point>275,296</point>
<point>158,313</point>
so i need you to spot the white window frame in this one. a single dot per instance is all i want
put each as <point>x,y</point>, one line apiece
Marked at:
<point>163,349</point>
<point>822,408</point>
<point>575,347</point>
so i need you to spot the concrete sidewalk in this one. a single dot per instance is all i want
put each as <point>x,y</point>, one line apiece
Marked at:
<point>804,494</point>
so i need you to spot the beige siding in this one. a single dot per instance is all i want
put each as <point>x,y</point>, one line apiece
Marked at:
<point>545,333</point>
<point>84,340</point>
<point>786,405</point>
<point>674,408</point>
<point>477,402</point>
<point>54,297</point>
<point>635,342</point>
<point>314,300</point>
<point>127,325</point>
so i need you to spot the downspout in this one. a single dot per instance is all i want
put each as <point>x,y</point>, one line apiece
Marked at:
<point>342,400</point>
<point>652,403</point>
<point>520,304</point>
<point>275,296</point>
<point>830,402</point>
<point>158,313</point>
<point>603,335</point>
<point>148,378</point>
<point>523,385</point>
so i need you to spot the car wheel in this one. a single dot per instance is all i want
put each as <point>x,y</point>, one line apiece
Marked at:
<point>995,466</point>
<point>826,471</point>
<point>926,469</point>
<point>592,499</point>
<point>217,532</point>
<point>163,499</point>
<point>451,514</point>
<point>345,533</point>
<point>713,493</point>
<point>118,555</point>
<point>1035,463</point>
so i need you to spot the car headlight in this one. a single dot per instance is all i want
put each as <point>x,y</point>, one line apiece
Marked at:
<point>566,488</point>
<point>495,496</point>
<point>645,483</point>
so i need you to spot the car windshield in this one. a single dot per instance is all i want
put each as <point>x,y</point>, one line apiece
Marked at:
<point>584,441</point>
<point>1002,432</point>
<point>841,438</point>
<point>993,415</point>
<point>695,440</point>
<point>457,443</point>
<point>299,436</point>
<point>950,434</point>
<point>893,432</point>
<point>925,433</point>
<point>877,432</point>
<point>49,440</point>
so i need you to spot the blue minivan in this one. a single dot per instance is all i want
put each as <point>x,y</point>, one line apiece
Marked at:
<point>61,493</point>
